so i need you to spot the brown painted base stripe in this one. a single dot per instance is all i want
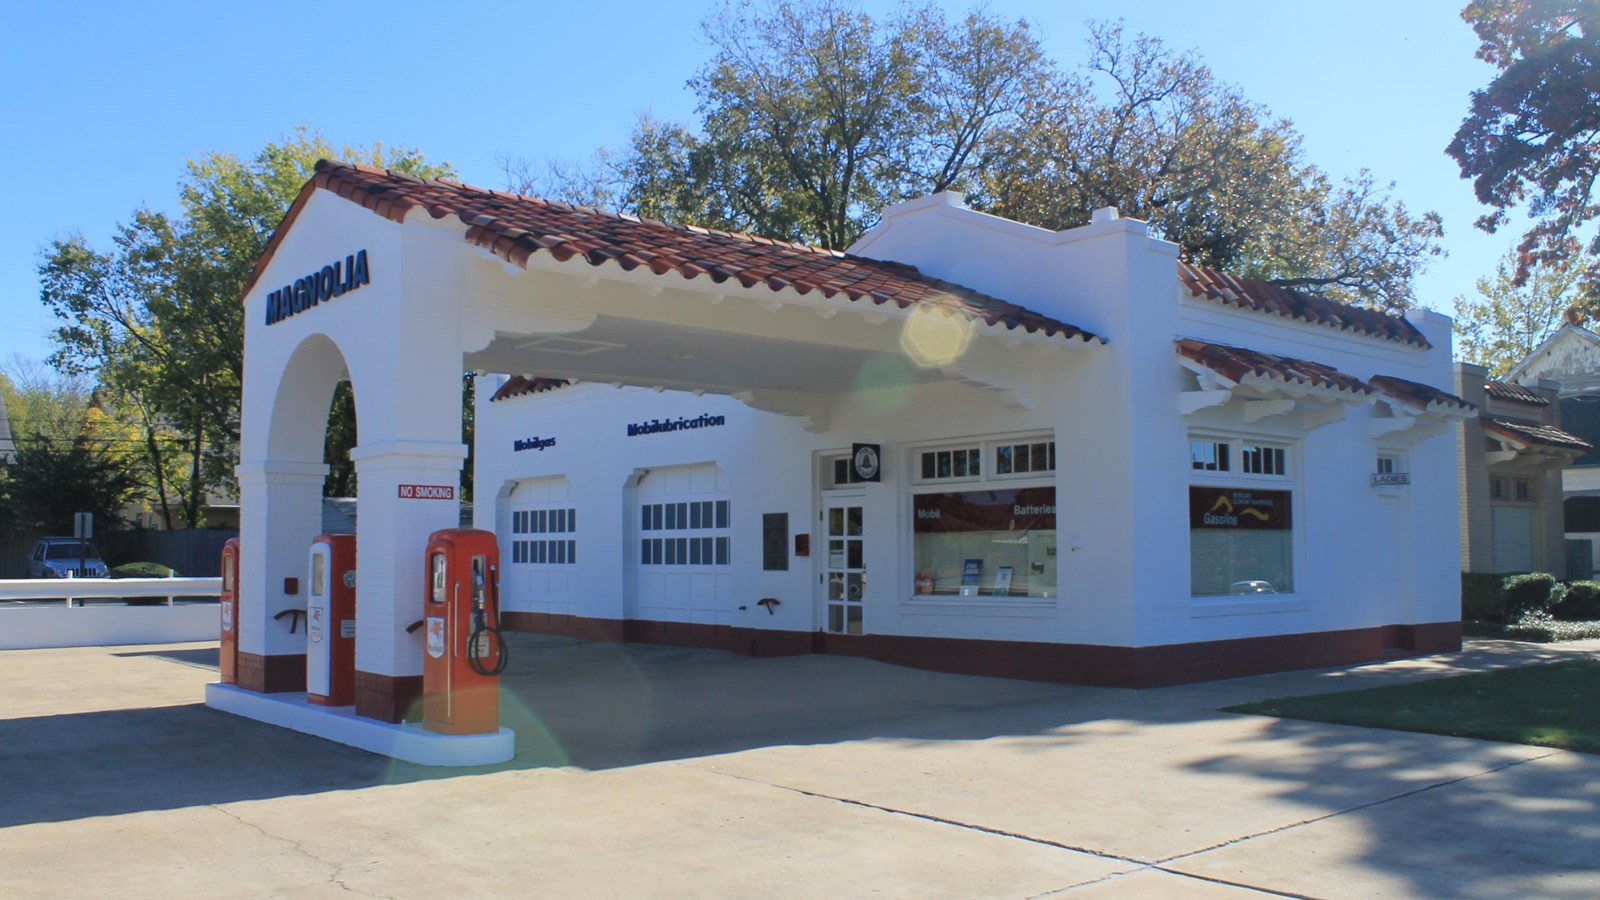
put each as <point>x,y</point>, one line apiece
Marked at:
<point>1089,664</point>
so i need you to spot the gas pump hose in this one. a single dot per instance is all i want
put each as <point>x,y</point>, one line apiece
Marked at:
<point>482,627</point>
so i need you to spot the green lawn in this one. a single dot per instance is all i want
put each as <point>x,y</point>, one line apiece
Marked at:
<point>1556,705</point>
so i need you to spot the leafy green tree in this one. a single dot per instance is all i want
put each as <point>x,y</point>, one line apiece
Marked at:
<point>157,319</point>
<point>1508,319</point>
<point>1155,134</point>
<point>814,115</point>
<point>1531,138</point>
<point>70,454</point>
<point>47,482</point>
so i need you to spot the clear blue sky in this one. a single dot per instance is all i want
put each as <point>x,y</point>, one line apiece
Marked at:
<point>103,102</point>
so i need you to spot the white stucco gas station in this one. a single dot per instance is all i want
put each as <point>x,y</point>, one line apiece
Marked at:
<point>967,444</point>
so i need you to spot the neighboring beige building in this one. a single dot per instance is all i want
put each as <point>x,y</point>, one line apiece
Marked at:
<point>1512,456</point>
<point>1571,357</point>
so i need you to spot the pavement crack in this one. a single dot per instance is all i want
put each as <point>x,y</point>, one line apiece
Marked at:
<point>335,870</point>
<point>1138,864</point>
<point>929,817</point>
<point>1342,812</point>
<point>1114,876</point>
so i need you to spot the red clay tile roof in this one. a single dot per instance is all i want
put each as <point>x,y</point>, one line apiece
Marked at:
<point>515,228</point>
<point>1505,390</point>
<point>1544,435</point>
<point>1234,363</point>
<point>1416,394</point>
<point>522,384</point>
<point>1261,296</point>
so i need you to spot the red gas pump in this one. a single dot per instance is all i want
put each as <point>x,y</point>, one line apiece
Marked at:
<point>331,621</point>
<point>228,657</point>
<point>464,652</point>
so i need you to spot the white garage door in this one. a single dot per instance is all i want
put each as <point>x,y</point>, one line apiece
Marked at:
<point>683,547</point>
<point>543,547</point>
<point>1513,539</point>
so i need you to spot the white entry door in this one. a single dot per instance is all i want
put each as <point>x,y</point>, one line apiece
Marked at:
<point>844,577</point>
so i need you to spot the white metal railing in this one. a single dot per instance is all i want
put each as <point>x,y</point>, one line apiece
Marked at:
<point>70,589</point>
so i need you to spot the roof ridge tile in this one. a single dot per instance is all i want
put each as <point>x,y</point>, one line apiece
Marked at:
<point>515,227</point>
<point>1292,303</point>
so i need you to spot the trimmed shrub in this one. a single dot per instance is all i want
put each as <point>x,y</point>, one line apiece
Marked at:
<point>1581,603</point>
<point>1529,593</point>
<point>1482,598</point>
<point>141,570</point>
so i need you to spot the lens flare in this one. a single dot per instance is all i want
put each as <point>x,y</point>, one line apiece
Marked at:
<point>935,336</point>
<point>883,383</point>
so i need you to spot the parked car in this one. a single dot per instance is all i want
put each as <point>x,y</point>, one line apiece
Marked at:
<point>56,557</point>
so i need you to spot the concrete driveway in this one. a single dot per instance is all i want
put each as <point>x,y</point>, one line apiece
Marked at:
<point>650,771</point>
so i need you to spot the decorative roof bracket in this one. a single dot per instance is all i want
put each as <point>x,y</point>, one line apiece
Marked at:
<point>810,409</point>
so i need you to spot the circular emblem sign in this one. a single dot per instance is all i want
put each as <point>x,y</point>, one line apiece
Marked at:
<point>865,461</point>
<point>350,578</point>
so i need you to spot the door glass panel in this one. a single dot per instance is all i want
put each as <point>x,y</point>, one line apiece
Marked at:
<point>845,579</point>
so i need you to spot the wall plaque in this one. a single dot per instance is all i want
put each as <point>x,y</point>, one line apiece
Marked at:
<point>775,542</point>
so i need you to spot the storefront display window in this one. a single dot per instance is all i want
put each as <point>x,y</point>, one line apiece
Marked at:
<point>1240,541</point>
<point>986,543</point>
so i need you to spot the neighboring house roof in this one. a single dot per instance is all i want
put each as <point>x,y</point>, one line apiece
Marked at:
<point>1418,395</point>
<point>339,515</point>
<point>1527,433</point>
<point>1581,419</point>
<point>524,384</point>
<point>1506,390</point>
<point>1571,356</point>
<point>1265,297</point>
<point>1237,363</point>
<point>516,228</point>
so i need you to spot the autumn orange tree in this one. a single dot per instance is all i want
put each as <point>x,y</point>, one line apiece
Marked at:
<point>1531,139</point>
